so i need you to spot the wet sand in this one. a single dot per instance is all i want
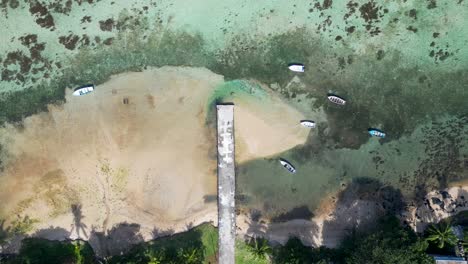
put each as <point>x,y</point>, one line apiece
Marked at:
<point>137,150</point>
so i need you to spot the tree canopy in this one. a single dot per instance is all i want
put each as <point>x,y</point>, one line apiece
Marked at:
<point>388,243</point>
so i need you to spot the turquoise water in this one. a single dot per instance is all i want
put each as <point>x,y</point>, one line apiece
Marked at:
<point>402,66</point>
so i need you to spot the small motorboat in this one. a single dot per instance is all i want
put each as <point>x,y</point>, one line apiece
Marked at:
<point>308,123</point>
<point>287,165</point>
<point>296,67</point>
<point>376,132</point>
<point>336,99</point>
<point>83,90</point>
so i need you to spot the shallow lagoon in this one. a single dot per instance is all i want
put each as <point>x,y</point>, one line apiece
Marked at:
<point>401,66</point>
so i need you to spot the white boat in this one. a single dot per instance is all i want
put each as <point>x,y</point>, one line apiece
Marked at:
<point>287,166</point>
<point>336,99</point>
<point>308,123</point>
<point>296,67</point>
<point>376,132</point>
<point>83,90</point>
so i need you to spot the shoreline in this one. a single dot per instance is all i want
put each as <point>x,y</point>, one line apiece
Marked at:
<point>326,229</point>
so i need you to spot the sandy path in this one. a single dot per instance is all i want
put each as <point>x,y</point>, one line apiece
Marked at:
<point>96,161</point>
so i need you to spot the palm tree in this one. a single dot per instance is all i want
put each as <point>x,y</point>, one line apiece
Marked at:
<point>154,256</point>
<point>259,248</point>
<point>441,234</point>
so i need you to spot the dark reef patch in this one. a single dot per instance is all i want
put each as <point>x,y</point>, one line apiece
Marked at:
<point>413,14</point>
<point>69,42</point>
<point>375,95</point>
<point>369,11</point>
<point>371,14</point>
<point>350,29</point>
<point>86,19</point>
<point>72,41</point>
<point>108,41</point>
<point>106,25</point>
<point>5,4</point>
<point>28,39</point>
<point>431,4</point>
<point>444,142</point>
<point>412,29</point>
<point>43,17</point>
<point>380,54</point>
<point>352,7</point>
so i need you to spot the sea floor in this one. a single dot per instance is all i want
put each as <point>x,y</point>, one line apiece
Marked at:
<point>401,66</point>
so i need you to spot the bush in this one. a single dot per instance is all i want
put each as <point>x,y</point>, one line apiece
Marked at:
<point>42,251</point>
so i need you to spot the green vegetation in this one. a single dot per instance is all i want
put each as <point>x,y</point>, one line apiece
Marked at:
<point>17,227</point>
<point>198,245</point>
<point>365,80</point>
<point>294,252</point>
<point>244,255</point>
<point>259,248</point>
<point>42,251</point>
<point>441,234</point>
<point>389,242</point>
<point>14,106</point>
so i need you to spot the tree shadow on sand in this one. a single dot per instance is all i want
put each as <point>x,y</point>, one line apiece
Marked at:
<point>12,235</point>
<point>78,225</point>
<point>157,232</point>
<point>184,247</point>
<point>52,233</point>
<point>359,206</point>
<point>285,226</point>
<point>118,240</point>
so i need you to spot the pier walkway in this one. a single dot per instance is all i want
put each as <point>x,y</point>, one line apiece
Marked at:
<point>226,184</point>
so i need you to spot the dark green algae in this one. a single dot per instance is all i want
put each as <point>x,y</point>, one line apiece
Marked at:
<point>380,91</point>
<point>383,91</point>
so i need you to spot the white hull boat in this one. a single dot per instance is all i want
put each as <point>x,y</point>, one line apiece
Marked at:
<point>336,99</point>
<point>296,67</point>
<point>308,123</point>
<point>287,166</point>
<point>376,132</point>
<point>83,90</point>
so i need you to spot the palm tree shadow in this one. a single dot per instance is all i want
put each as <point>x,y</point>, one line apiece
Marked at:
<point>119,240</point>
<point>157,233</point>
<point>4,232</point>
<point>78,225</point>
<point>52,233</point>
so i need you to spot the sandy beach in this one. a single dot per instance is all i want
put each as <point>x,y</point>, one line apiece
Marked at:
<point>135,151</point>
<point>138,157</point>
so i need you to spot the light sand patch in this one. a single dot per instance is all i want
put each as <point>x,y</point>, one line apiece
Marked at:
<point>136,150</point>
<point>266,128</point>
<point>333,221</point>
<point>132,151</point>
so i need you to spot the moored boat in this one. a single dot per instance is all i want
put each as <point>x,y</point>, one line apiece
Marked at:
<point>336,99</point>
<point>83,90</point>
<point>287,165</point>
<point>376,132</point>
<point>296,67</point>
<point>308,123</point>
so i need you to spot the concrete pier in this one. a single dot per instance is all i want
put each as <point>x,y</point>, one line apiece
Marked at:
<point>226,184</point>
